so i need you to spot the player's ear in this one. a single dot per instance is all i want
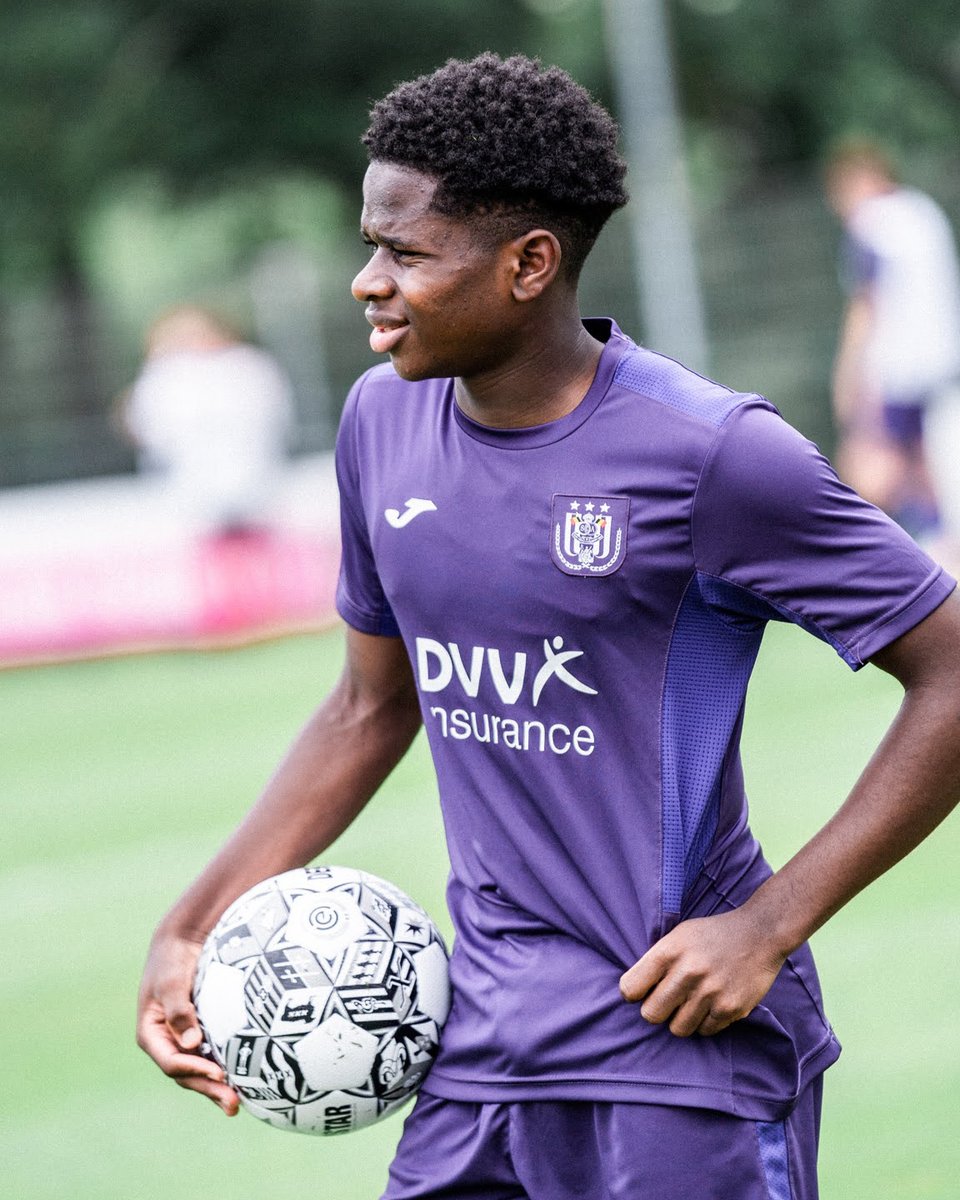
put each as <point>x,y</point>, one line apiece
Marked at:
<point>536,259</point>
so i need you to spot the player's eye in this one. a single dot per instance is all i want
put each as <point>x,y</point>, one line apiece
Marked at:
<point>398,253</point>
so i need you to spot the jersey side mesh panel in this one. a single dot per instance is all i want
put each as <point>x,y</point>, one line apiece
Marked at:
<point>708,667</point>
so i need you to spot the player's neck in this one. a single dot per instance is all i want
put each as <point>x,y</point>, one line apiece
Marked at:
<point>543,382</point>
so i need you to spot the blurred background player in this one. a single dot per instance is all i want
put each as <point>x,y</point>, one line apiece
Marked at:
<point>942,436</point>
<point>900,337</point>
<point>213,415</point>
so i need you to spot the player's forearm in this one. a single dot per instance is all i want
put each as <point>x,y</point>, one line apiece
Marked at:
<point>330,772</point>
<point>910,785</point>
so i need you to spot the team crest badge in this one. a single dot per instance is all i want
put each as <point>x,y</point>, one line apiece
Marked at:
<point>589,533</point>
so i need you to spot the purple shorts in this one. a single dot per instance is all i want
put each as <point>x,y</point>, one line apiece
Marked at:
<point>904,424</point>
<point>585,1150</point>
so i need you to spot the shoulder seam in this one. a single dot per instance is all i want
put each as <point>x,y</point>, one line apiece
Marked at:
<point>728,400</point>
<point>746,398</point>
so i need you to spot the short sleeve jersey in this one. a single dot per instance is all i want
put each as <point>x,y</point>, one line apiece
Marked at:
<point>582,603</point>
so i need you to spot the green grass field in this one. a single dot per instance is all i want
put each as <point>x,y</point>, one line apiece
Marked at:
<point>120,777</point>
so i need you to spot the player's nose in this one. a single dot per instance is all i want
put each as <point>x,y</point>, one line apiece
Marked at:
<point>372,282</point>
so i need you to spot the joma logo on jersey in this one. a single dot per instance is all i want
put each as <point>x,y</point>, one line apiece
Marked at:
<point>589,533</point>
<point>438,664</point>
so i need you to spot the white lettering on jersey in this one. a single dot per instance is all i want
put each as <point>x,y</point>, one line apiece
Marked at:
<point>463,725</point>
<point>440,665</point>
<point>509,693</point>
<point>437,664</point>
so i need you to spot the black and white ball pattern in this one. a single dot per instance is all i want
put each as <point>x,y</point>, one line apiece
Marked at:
<point>322,992</point>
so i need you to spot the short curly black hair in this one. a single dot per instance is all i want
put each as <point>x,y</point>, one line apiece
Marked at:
<point>509,142</point>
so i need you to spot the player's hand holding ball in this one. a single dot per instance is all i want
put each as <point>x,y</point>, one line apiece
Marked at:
<point>167,1027</point>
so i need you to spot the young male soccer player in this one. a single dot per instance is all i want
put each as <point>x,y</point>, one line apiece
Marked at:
<point>559,554</point>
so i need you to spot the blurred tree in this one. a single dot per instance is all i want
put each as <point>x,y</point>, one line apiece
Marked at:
<point>781,78</point>
<point>199,96</point>
<point>198,92</point>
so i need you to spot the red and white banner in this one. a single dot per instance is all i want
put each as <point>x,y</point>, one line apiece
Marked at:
<point>165,596</point>
<point>96,568</point>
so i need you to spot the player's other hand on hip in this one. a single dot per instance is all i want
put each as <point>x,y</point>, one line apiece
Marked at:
<point>167,1026</point>
<point>704,974</point>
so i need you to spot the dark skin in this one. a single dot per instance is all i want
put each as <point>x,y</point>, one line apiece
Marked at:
<point>503,322</point>
<point>448,306</point>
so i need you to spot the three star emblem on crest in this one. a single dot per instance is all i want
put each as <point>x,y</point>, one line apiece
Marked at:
<point>589,533</point>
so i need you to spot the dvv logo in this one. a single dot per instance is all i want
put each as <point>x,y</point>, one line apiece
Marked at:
<point>438,664</point>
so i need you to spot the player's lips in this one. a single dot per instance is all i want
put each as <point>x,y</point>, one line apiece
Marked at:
<point>387,333</point>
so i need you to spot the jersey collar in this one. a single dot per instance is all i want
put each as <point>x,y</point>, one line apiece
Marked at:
<point>605,330</point>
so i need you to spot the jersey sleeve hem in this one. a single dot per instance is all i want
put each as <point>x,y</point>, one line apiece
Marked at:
<point>378,624</point>
<point>710,589</point>
<point>921,604</point>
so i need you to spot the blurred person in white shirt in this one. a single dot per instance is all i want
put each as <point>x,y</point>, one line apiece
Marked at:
<point>213,415</point>
<point>899,349</point>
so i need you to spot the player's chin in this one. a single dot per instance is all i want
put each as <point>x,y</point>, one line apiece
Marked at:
<point>412,369</point>
<point>414,361</point>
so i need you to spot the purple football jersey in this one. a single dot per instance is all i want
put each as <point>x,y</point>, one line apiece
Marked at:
<point>582,603</point>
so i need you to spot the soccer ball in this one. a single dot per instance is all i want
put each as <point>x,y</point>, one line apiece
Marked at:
<point>322,992</point>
